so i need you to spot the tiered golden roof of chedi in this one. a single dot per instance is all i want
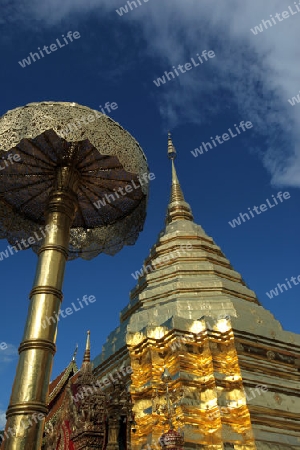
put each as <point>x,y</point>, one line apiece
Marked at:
<point>192,313</point>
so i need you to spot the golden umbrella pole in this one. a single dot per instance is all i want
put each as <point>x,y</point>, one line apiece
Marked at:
<point>28,403</point>
<point>93,186</point>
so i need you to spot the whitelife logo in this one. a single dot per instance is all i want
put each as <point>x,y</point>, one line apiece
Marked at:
<point>77,124</point>
<point>10,159</point>
<point>222,410</point>
<point>187,66</point>
<point>53,48</point>
<point>124,9</point>
<point>12,431</point>
<point>69,311</point>
<point>103,382</point>
<point>31,241</point>
<point>259,209</point>
<point>144,179</point>
<point>294,100</point>
<point>225,136</point>
<point>184,248</point>
<point>267,23</point>
<point>274,292</point>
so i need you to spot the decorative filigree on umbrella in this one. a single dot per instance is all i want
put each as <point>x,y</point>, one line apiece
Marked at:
<point>105,156</point>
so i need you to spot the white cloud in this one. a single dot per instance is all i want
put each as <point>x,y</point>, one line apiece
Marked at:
<point>259,73</point>
<point>8,354</point>
<point>2,419</point>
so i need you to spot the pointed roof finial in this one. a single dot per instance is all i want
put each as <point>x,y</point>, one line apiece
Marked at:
<point>178,208</point>
<point>87,353</point>
<point>75,353</point>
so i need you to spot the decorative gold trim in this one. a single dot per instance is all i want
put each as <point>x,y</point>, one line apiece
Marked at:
<point>57,248</point>
<point>26,408</point>
<point>40,290</point>
<point>37,344</point>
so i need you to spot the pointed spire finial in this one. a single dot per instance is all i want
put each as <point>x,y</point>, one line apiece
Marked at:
<point>171,149</point>
<point>178,208</point>
<point>87,353</point>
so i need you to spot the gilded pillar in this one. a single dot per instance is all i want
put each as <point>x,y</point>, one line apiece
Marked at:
<point>28,402</point>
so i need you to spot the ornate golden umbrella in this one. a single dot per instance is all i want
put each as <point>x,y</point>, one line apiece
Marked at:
<point>70,157</point>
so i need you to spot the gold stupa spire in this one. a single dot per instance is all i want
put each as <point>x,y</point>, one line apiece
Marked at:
<point>178,208</point>
<point>87,353</point>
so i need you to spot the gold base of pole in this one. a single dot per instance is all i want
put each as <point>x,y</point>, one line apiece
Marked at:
<point>28,402</point>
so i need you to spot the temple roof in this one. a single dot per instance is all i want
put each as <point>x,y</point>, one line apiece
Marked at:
<point>57,384</point>
<point>57,388</point>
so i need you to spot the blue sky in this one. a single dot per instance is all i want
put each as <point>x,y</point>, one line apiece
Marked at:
<point>116,59</point>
